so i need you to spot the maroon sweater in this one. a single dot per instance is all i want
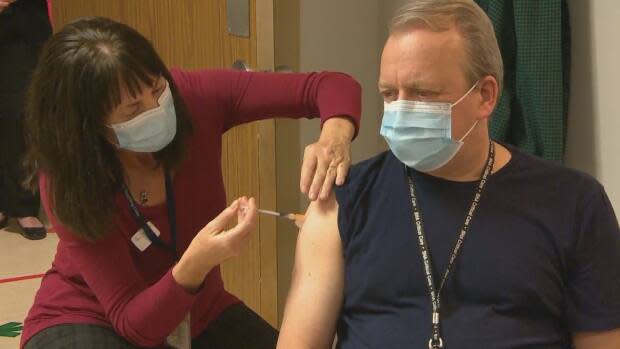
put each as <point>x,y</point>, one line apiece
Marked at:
<point>112,283</point>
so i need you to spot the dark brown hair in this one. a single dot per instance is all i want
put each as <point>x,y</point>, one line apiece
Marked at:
<point>76,84</point>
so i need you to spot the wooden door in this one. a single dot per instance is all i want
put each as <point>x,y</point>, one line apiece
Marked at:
<point>193,34</point>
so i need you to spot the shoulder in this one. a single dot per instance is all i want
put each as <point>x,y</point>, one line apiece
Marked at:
<point>64,233</point>
<point>204,83</point>
<point>206,77</point>
<point>320,215</point>
<point>362,172</point>
<point>553,174</point>
<point>365,175</point>
<point>203,92</point>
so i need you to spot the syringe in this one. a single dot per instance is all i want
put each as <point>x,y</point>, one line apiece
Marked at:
<point>297,218</point>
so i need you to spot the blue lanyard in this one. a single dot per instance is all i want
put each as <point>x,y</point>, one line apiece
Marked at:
<point>172,248</point>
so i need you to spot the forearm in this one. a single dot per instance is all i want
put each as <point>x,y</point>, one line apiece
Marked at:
<point>147,318</point>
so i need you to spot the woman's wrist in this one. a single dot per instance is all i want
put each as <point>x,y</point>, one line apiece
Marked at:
<point>340,127</point>
<point>188,275</point>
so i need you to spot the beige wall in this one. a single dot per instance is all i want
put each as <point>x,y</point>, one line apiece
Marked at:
<point>317,35</point>
<point>347,36</point>
<point>386,11</point>
<point>343,36</point>
<point>594,117</point>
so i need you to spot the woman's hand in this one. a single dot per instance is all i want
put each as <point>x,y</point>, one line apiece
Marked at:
<point>214,244</point>
<point>327,160</point>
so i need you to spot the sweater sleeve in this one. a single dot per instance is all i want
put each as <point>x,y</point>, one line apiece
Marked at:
<point>141,313</point>
<point>251,96</point>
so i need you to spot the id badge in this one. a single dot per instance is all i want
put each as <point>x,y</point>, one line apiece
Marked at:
<point>181,337</point>
<point>140,240</point>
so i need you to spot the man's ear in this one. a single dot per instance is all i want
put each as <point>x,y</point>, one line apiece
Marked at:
<point>489,96</point>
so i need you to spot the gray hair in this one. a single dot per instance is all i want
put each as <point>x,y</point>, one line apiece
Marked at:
<point>481,48</point>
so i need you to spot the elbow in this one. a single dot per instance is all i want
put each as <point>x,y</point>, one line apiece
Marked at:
<point>354,85</point>
<point>136,338</point>
<point>123,326</point>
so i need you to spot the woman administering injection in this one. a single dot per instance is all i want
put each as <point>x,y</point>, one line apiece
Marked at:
<point>127,155</point>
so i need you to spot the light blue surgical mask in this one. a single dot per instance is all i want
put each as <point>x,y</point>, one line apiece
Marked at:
<point>150,131</point>
<point>420,133</point>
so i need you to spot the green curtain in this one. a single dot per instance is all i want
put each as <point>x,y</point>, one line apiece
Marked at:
<point>534,38</point>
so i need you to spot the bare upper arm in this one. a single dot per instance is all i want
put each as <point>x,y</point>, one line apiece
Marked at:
<point>597,340</point>
<point>315,297</point>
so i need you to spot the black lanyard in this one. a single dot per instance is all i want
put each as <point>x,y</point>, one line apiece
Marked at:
<point>436,341</point>
<point>172,248</point>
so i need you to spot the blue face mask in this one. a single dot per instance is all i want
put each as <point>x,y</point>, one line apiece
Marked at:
<point>150,131</point>
<point>420,133</point>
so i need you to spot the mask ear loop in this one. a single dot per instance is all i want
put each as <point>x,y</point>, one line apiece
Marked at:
<point>470,129</point>
<point>459,101</point>
<point>465,95</point>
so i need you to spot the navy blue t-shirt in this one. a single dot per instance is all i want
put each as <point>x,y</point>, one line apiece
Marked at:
<point>541,260</point>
